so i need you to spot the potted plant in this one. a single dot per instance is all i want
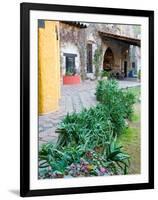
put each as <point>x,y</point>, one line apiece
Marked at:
<point>71,78</point>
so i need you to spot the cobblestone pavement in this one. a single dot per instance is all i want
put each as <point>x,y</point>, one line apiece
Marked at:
<point>73,99</point>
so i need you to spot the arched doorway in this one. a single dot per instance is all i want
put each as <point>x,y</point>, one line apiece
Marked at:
<point>108,61</point>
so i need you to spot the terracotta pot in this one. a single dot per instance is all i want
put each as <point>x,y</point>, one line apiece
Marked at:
<point>70,80</point>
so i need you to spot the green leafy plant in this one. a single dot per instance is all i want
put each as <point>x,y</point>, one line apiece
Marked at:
<point>139,74</point>
<point>69,73</point>
<point>54,160</point>
<point>105,73</point>
<point>97,61</point>
<point>117,158</point>
<point>118,102</point>
<point>129,99</point>
<point>135,91</point>
<point>90,128</point>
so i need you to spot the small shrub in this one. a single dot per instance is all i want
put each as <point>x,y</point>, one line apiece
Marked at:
<point>119,103</point>
<point>90,128</point>
<point>100,90</point>
<point>135,91</point>
<point>105,73</point>
<point>129,99</point>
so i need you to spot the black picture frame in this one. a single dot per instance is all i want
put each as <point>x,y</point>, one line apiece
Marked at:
<point>25,9</point>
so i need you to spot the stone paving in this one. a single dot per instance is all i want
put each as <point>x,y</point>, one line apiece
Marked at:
<point>73,99</point>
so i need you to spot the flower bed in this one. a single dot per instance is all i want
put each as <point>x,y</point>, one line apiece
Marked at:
<point>87,143</point>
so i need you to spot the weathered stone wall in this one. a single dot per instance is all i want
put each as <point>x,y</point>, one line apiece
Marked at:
<point>93,37</point>
<point>135,57</point>
<point>73,41</point>
<point>118,48</point>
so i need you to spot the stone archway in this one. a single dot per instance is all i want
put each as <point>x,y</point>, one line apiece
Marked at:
<point>108,60</point>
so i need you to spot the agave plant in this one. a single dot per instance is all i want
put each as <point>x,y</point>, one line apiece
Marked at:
<point>116,157</point>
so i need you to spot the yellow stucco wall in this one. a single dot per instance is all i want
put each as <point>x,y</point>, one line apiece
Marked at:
<point>48,67</point>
